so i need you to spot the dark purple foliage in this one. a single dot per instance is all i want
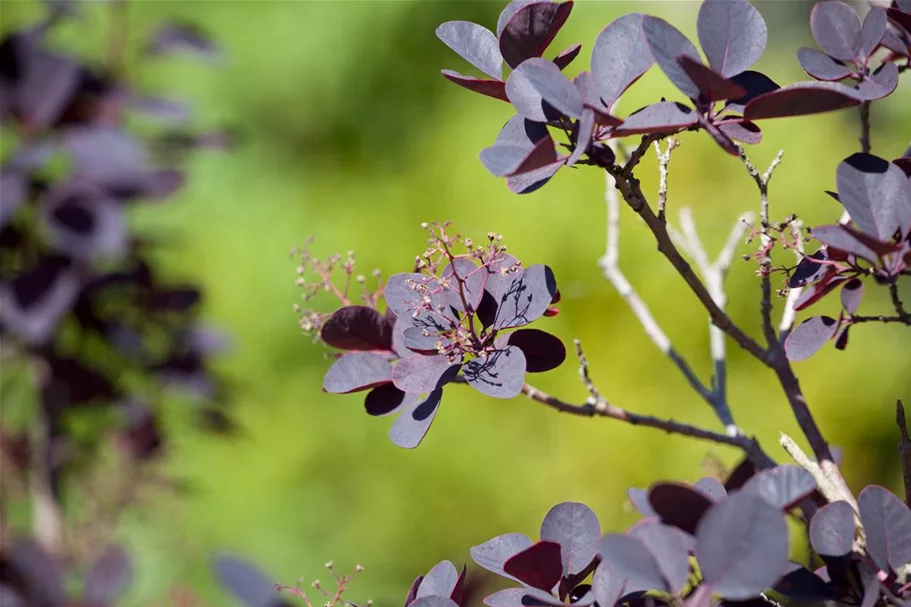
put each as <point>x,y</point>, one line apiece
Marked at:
<point>887,523</point>
<point>832,530</point>
<point>783,486</point>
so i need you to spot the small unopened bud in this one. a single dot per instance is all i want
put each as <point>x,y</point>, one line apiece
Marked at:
<point>300,269</point>
<point>299,282</point>
<point>468,242</point>
<point>330,565</point>
<point>424,225</point>
<point>315,584</point>
<point>358,569</point>
<point>369,602</point>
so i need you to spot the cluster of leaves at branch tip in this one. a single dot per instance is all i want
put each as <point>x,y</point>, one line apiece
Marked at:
<point>459,317</point>
<point>71,266</point>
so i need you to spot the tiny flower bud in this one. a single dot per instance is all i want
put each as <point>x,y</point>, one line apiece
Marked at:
<point>329,565</point>
<point>360,278</point>
<point>299,282</point>
<point>424,225</point>
<point>358,569</point>
<point>315,584</point>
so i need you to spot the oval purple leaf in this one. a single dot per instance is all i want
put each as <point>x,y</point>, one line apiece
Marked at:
<point>493,554</point>
<point>732,33</point>
<point>474,43</point>
<point>552,85</point>
<point>567,56</point>
<point>671,547</point>
<point>877,195</point>
<point>433,601</point>
<point>851,294</point>
<point>575,527</point>
<point>783,486</point>
<point>526,183</point>
<point>802,99</point>
<point>386,399</point>
<point>873,30</point>
<point>245,581</point>
<point>832,529</point>
<point>840,237</point>
<point>423,373</point>
<point>809,336</point>
<point>508,160</point>
<point>500,374</point>
<point>531,29</point>
<point>821,66</point>
<point>887,523</point>
<point>667,43</point>
<point>586,126</point>
<point>440,580</point>
<point>880,83</point>
<point>658,117</point>
<point>357,371</point>
<point>631,559</point>
<point>466,276</point>
<point>742,546</point>
<point>712,489</point>
<point>745,132</point>
<point>357,328</point>
<point>508,597</point>
<point>412,425</point>
<point>539,565</point>
<point>620,56</point>
<point>490,88</point>
<point>607,586</point>
<point>836,28</point>
<point>639,499</point>
<point>542,350</point>
<point>108,576</point>
<point>678,505</point>
<point>712,85</point>
<point>524,296</point>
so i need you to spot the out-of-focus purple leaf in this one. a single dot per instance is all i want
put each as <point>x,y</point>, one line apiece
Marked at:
<point>836,28</point>
<point>621,55</point>
<point>880,83</point>
<point>183,37</point>
<point>901,18</point>
<point>567,56</point>
<point>742,546</point>
<point>802,585</point>
<point>35,301</point>
<point>873,30</point>
<point>639,499</point>
<point>542,350</point>
<point>47,83</point>
<point>108,576</point>
<point>832,529</point>
<point>821,66</point>
<point>876,194</point>
<point>423,373</point>
<point>851,294</point>
<point>783,486</point>
<point>245,581</point>
<point>809,336</point>
<point>670,547</point>
<point>13,190</point>
<point>440,580</point>
<point>493,554</point>
<point>678,505</point>
<point>357,328</point>
<point>43,572</point>
<point>720,137</point>
<point>165,110</point>
<point>539,565</point>
<point>500,373</point>
<point>575,527</point>
<point>525,297</point>
<point>714,490</point>
<point>546,79</point>
<point>491,88</point>
<point>474,43</point>
<point>357,371</point>
<point>531,29</point>
<point>712,85</point>
<point>10,597</point>
<point>802,99</point>
<point>412,425</point>
<point>586,130</point>
<point>732,34</point>
<point>896,39</point>
<point>746,131</point>
<point>667,44</point>
<point>631,559</point>
<point>658,117</point>
<point>887,524</point>
<point>386,399</point>
<point>607,586</point>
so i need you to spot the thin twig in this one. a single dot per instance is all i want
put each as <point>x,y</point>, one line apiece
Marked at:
<point>47,517</point>
<point>865,127</point>
<point>610,267</point>
<point>789,313</point>
<point>664,159</point>
<point>904,448</point>
<point>897,303</point>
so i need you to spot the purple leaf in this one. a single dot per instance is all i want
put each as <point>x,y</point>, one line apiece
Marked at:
<point>732,33</point>
<point>896,38</point>
<point>836,28</point>
<point>743,472</point>
<point>755,84</point>
<point>108,577</point>
<point>511,9</point>
<point>474,43</point>
<point>725,142</point>
<point>508,160</point>
<point>13,191</point>
<point>412,425</point>
<point>712,85</point>
<point>586,129</point>
<point>841,338</point>
<point>357,371</point>
<point>816,292</point>
<point>880,83</point>
<point>851,294</point>
<point>34,302</point>
<point>500,373</point>
<point>166,110</point>
<point>386,399</point>
<point>527,183</point>
<point>712,489</point>
<point>423,340</point>
<point>539,565</point>
<point>876,194</point>
<point>666,44</point>
<point>473,279</point>
<point>518,130</point>
<point>405,293</point>
<point>245,581</point>
<point>802,585</point>
<point>620,56</point>
<point>592,101</point>
<point>670,547</point>
<point>546,79</point>
<point>439,581</point>
<point>508,597</point>
<point>832,529</point>
<point>809,336</point>
<point>47,82</point>
<point>531,29</point>
<point>542,350</point>
<point>524,297</point>
<point>491,88</point>
<point>902,19</point>
<point>839,237</point>
<point>357,328</point>
<point>887,523</point>
<point>783,486</point>
<point>607,586</point>
<point>821,66</point>
<point>177,37</point>
<point>742,546</point>
<point>746,131</point>
<point>423,373</point>
<point>493,554</point>
<point>873,30</point>
<point>678,505</point>
<point>105,153</point>
<point>84,222</point>
<point>658,117</point>
<point>639,499</point>
<point>434,601</point>
<point>802,99</point>
<point>566,57</point>
<point>809,270</point>
<point>631,559</point>
<point>576,529</point>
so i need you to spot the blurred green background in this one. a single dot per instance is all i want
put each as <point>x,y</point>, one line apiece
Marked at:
<point>351,135</point>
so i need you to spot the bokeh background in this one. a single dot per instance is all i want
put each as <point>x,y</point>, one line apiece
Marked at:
<point>350,135</point>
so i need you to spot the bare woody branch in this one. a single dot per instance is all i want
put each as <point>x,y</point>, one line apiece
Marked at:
<point>789,313</point>
<point>611,269</point>
<point>664,159</point>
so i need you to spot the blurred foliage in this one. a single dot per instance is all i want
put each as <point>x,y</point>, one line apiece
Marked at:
<point>350,135</point>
